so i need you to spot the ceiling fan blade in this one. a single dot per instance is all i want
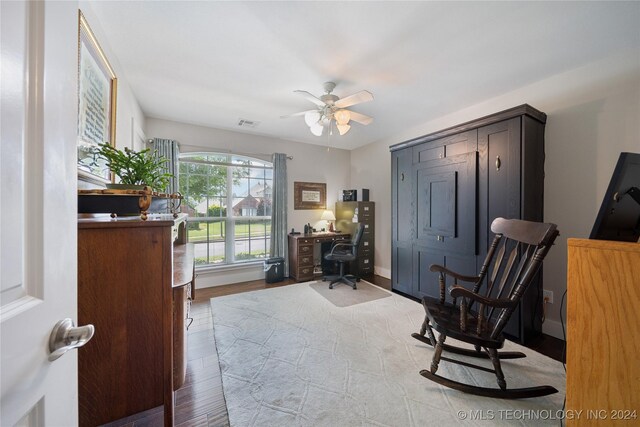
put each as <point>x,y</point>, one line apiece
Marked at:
<point>360,118</point>
<point>356,98</point>
<point>301,113</point>
<point>312,98</point>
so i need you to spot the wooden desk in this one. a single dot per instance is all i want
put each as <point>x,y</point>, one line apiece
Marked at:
<point>133,286</point>
<point>603,331</point>
<point>301,250</point>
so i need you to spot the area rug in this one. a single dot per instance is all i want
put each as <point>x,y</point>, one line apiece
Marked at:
<point>290,357</point>
<point>344,295</point>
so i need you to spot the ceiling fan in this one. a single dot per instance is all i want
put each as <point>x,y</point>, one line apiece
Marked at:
<point>330,107</point>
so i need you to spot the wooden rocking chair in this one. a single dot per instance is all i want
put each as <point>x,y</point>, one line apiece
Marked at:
<point>480,317</point>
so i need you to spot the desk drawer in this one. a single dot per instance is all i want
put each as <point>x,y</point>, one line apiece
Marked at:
<point>304,273</point>
<point>305,260</point>
<point>304,250</point>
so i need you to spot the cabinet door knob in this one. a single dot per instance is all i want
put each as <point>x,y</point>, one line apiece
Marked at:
<point>402,176</point>
<point>498,163</point>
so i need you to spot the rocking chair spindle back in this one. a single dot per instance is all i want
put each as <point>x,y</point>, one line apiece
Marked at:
<point>513,259</point>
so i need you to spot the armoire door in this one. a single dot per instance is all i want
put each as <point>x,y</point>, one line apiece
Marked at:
<point>499,167</point>
<point>402,222</point>
<point>500,155</point>
<point>445,224</point>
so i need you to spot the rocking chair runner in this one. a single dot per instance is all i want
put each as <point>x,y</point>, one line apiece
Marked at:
<point>479,318</point>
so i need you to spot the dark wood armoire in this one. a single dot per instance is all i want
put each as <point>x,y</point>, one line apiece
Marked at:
<point>447,188</point>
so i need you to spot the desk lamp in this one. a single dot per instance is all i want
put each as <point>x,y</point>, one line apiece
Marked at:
<point>328,216</point>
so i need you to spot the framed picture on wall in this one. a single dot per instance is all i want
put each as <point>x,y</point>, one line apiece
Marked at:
<point>97,92</point>
<point>309,195</point>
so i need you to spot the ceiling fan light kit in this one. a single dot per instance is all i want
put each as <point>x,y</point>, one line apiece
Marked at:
<point>342,129</point>
<point>330,107</point>
<point>342,117</point>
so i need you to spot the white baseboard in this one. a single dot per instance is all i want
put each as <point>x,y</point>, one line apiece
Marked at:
<point>208,279</point>
<point>553,328</point>
<point>384,272</point>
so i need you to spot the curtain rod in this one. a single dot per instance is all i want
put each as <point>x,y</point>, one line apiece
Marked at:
<point>151,140</point>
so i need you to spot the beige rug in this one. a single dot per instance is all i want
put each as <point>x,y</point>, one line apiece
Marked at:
<point>290,357</point>
<point>344,295</point>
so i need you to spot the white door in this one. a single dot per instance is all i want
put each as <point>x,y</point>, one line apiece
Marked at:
<point>38,210</point>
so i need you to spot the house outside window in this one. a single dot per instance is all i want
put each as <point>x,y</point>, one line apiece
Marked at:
<point>228,202</point>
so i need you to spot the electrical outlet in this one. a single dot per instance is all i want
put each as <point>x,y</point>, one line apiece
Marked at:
<point>547,296</point>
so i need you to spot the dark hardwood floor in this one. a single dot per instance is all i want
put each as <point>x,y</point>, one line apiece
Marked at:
<point>200,401</point>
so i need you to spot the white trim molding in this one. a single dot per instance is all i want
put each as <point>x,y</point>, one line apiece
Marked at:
<point>553,328</point>
<point>384,272</point>
<point>226,275</point>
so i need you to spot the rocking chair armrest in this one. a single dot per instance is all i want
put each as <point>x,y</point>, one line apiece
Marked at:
<point>440,269</point>
<point>459,291</point>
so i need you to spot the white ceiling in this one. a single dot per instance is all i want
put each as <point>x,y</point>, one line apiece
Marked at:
<point>212,63</point>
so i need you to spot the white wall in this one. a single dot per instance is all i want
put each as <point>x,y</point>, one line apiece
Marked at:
<point>311,163</point>
<point>593,114</point>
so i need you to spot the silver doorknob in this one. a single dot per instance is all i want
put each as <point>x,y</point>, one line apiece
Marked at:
<point>66,336</point>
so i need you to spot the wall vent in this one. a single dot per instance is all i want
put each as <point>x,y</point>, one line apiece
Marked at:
<point>248,123</point>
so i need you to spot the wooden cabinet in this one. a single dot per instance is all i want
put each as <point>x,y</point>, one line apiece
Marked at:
<point>126,278</point>
<point>366,215</point>
<point>603,332</point>
<point>447,188</point>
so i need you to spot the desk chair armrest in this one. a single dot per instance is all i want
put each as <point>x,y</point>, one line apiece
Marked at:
<point>440,269</point>
<point>459,291</point>
<point>340,244</point>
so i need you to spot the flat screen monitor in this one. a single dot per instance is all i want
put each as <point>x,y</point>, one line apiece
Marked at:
<point>619,215</point>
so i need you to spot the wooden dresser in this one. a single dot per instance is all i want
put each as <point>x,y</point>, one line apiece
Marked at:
<point>603,332</point>
<point>135,281</point>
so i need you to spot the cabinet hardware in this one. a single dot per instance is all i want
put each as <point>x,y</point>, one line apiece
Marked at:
<point>498,163</point>
<point>402,176</point>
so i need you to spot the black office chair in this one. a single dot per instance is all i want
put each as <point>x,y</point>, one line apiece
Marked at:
<point>343,253</point>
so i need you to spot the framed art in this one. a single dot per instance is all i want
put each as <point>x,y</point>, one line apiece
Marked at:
<point>309,195</point>
<point>97,92</point>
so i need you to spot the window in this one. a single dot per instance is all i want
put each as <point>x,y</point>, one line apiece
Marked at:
<point>228,202</point>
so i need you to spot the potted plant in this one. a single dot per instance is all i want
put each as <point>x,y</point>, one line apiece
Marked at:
<point>136,169</point>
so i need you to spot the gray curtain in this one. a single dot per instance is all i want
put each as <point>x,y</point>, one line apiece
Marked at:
<point>279,239</point>
<point>168,149</point>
